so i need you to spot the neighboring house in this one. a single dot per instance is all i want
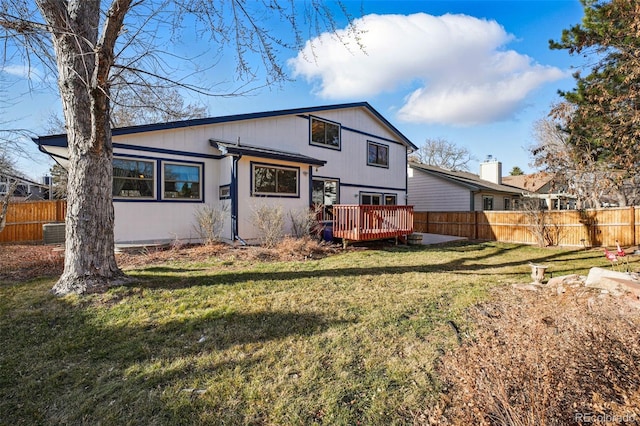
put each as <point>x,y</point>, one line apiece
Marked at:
<point>435,189</point>
<point>540,185</point>
<point>26,190</point>
<point>335,154</point>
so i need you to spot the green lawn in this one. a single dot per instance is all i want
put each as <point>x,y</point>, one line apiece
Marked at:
<point>348,339</point>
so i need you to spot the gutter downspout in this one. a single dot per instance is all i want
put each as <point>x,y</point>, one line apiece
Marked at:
<point>234,200</point>
<point>406,177</point>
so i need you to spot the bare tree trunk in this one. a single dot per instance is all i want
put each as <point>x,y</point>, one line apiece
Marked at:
<point>5,203</point>
<point>83,63</point>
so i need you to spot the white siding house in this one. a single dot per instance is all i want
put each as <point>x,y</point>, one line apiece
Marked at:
<point>335,154</point>
<point>434,189</point>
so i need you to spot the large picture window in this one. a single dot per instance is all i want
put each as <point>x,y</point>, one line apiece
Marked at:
<point>325,133</point>
<point>377,154</point>
<point>275,180</point>
<point>182,181</point>
<point>133,178</point>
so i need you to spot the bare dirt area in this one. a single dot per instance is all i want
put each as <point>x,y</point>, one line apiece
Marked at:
<point>288,249</point>
<point>20,262</point>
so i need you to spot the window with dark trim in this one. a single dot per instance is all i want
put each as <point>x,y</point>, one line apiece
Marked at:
<point>507,203</point>
<point>377,154</point>
<point>325,133</point>
<point>181,181</point>
<point>487,202</point>
<point>224,192</point>
<point>133,178</point>
<point>274,180</point>
<point>390,199</point>
<point>370,198</point>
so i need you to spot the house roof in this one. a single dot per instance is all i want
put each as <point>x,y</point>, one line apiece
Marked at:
<point>229,148</point>
<point>22,179</point>
<point>466,179</point>
<point>532,182</point>
<point>61,139</point>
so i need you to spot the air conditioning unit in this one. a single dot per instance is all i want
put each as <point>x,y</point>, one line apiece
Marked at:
<point>53,233</point>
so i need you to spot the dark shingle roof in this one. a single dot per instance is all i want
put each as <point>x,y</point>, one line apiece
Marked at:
<point>261,152</point>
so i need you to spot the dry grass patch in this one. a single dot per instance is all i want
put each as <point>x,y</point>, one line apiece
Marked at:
<point>543,358</point>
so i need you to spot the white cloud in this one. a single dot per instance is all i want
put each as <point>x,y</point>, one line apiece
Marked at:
<point>463,75</point>
<point>22,71</point>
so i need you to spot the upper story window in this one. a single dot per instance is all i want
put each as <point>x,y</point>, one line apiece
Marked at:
<point>133,178</point>
<point>274,180</point>
<point>325,133</point>
<point>377,154</point>
<point>182,181</point>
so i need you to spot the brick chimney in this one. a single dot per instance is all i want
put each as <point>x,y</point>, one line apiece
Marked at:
<point>491,170</point>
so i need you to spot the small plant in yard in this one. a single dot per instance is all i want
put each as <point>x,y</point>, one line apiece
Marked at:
<point>209,222</point>
<point>269,220</point>
<point>540,224</point>
<point>304,222</point>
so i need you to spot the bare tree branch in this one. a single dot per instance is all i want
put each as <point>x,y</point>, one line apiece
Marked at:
<point>444,154</point>
<point>90,47</point>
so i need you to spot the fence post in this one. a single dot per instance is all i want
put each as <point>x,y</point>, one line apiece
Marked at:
<point>632,223</point>
<point>426,220</point>
<point>475,225</point>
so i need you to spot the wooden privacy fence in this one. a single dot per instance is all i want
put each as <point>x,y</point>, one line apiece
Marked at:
<point>25,219</point>
<point>579,228</point>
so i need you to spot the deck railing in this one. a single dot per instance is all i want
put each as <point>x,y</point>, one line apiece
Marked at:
<point>365,222</point>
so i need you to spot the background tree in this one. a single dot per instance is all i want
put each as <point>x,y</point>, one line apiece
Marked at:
<point>601,122</point>
<point>130,108</point>
<point>554,154</point>
<point>88,47</point>
<point>442,153</point>
<point>516,171</point>
<point>132,105</point>
<point>10,148</point>
<point>59,178</point>
<point>8,183</point>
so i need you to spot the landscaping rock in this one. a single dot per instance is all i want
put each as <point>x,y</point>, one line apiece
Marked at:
<point>616,283</point>
<point>569,280</point>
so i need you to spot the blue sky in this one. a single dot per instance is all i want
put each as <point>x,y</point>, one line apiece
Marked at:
<point>476,73</point>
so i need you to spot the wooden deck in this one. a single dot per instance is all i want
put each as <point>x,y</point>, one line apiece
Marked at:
<point>366,223</point>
